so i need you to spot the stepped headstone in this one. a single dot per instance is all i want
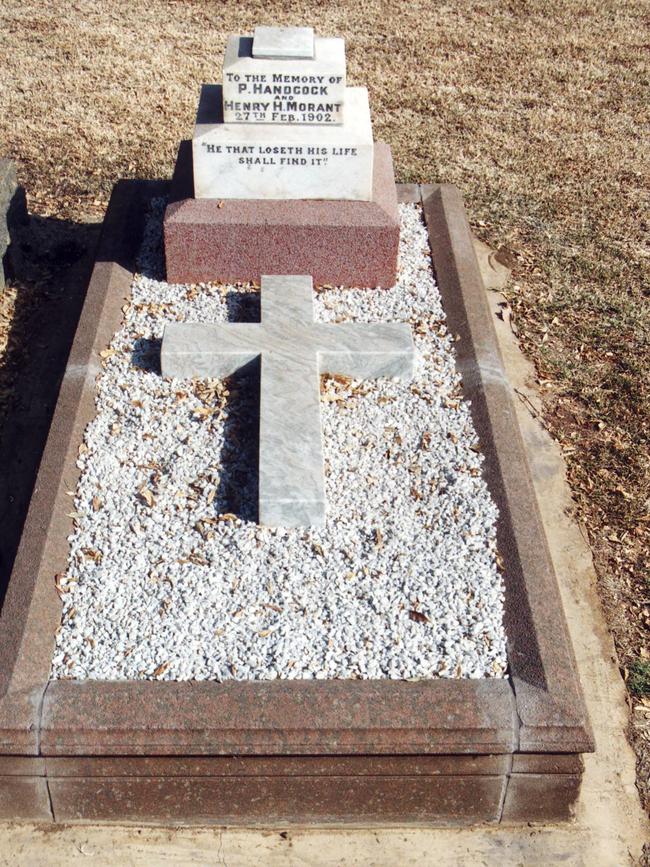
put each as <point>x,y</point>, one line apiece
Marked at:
<point>283,125</point>
<point>284,171</point>
<point>268,79</point>
<point>294,351</point>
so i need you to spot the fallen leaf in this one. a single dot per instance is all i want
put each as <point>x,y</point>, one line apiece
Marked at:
<point>92,554</point>
<point>147,496</point>
<point>204,411</point>
<point>62,585</point>
<point>198,560</point>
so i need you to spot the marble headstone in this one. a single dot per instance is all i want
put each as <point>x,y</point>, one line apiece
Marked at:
<point>282,175</point>
<point>284,125</point>
<point>283,88</point>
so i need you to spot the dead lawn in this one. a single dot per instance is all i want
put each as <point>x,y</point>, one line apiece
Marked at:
<point>536,110</point>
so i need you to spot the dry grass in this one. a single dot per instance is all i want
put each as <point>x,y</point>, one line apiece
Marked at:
<point>536,110</point>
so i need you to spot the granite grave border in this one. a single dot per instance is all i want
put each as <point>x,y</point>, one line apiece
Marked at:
<point>446,751</point>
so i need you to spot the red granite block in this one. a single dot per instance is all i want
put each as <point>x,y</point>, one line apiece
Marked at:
<point>24,798</point>
<point>22,766</point>
<point>540,797</point>
<point>549,763</point>
<point>275,766</point>
<point>279,800</point>
<point>281,717</point>
<point>338,242</point>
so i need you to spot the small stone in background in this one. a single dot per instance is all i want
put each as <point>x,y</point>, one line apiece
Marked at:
<point>13,219</point>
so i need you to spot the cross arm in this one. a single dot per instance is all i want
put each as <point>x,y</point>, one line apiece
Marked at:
<point>361,350</point>
<point>195,349</point>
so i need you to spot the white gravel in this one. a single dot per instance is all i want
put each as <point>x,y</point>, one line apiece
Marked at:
<point>170,578</point>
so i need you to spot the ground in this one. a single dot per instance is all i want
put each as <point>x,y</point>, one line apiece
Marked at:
<point>534,108</point>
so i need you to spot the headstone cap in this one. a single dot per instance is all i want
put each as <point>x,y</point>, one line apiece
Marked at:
<point>284,42</point>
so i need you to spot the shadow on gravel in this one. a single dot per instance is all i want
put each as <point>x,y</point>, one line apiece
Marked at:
<point>146,354</point>
<point>49,277</point>
<point>239,459</point>
<point>244,306</point>
<point>238,488</point>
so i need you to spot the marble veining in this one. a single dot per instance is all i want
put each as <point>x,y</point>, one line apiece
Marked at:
<point>282,161</point>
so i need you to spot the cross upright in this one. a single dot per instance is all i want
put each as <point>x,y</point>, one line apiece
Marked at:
<point>294,351</point>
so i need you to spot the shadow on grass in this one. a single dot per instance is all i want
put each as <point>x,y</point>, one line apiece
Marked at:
<point>48,275</point>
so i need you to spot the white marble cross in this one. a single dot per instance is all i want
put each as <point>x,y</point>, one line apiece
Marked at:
<point>294,351</point>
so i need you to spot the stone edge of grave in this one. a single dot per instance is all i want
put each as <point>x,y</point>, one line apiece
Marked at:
<point>541,662</point>
<point>522,724</point>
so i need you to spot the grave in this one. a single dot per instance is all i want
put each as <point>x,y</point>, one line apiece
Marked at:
<point>141,745</point>
<point>282,172</point>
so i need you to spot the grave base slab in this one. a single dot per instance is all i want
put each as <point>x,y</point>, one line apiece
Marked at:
<point>238,240</point>
<point>279,753</point>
